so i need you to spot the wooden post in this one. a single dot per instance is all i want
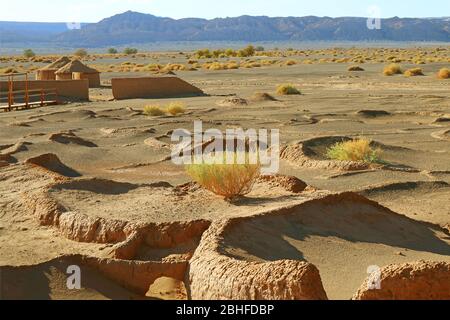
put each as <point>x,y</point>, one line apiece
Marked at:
<point>26,91</point>
<point>10,93</point>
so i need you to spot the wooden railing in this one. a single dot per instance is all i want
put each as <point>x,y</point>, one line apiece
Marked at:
<point>25,99</point>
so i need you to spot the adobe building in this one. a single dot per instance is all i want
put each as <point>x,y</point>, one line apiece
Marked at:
<point>76,70</point>
<point>49,72</point>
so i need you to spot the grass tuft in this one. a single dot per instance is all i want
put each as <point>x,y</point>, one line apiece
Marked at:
<point>176,108</point>
<point>230,181</point>
<point>444,73</point>
<point>154,111</point>
<point>354,150</point>
<point>287,89</point>
<point>392,69</point>
<point>414,72</point>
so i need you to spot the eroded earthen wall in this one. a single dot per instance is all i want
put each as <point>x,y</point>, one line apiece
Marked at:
<point>153,87</point>
<point>66,89</point>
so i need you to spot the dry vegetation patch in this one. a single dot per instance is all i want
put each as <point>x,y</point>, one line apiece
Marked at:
<point>392,69</point>
<point>229,179</point>
<point>354,150</point>
<point>287,89</point>
<point>414,72</point>
<point>154,111</point>
<point>444,73</point>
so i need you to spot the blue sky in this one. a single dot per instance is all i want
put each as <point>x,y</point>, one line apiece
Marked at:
<point>95,10</point>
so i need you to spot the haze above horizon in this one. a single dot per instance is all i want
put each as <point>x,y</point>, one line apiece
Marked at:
<point>94,11</point>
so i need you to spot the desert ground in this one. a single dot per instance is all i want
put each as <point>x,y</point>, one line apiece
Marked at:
<point>92,184</point>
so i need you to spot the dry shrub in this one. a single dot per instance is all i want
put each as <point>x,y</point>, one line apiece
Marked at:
<point>290,63</point>
<point>174,67</point>
<point>414,72</point>
<point>176,108</point>
<point>355,68</point>
<point>444,73</point>
<point>227,180</point>
<point>287,89</point>
<point>354,150</point>
<point>154,111</point>
<point>392,69</point>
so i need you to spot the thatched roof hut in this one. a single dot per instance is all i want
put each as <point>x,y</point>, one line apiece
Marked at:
<point>77,70</point>
<point>48,72</point>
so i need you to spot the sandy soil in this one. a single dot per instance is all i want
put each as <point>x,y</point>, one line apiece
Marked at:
<point>112,167</point>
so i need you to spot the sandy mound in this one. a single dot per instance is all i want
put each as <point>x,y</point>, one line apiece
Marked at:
<point>441,135</point>
<point>64,116</point>
<point>423,280</point>
<point>15,148</point>
<point>71,138</point>
<point>232,102</point>
<point>50,162</point>
<point>442,120</point>
<point>372,113</point>
<point>126,131</point>
<point>311,153</point>
<point>423,200</point>
<point>6,159</point>
<point>349,230</point>
<point>262,96</point>
<point>157,144</point>
<point>48,281</point>
<point>291,184</point>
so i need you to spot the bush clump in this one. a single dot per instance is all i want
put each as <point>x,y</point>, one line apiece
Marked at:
<point>354,150</point>
<point>414,72</point>
<point>444,73</point>
<point>287,89</point>
<point>154,111</point>
<point>176,108</point>
<point>392,69</point>
<point>229,179</point>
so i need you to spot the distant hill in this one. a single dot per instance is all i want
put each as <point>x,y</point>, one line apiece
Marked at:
<point>134,27</point>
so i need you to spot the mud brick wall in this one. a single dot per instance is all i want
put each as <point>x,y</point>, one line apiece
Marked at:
<point>153,87</point>
<point>66,89</point>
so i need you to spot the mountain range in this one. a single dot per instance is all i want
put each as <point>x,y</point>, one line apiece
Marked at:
<point>138,28</point>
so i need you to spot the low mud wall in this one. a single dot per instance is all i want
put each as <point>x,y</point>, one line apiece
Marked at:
<point>66,89</point>
<point>153,87</point>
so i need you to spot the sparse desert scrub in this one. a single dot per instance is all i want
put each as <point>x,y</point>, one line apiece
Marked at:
<point>354,150</point>
<point>290,63</point>
<point>444,73</point>
<point>392,69</point>
<point>174,67</point>
<point>414,72</point>
<point>229,179</point>
<point>154,111</point>
<point>176,108</point>
<point>287,89</point>
<point>355,68</point>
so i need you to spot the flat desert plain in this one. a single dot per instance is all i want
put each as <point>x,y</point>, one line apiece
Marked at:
<point>91,184</point>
